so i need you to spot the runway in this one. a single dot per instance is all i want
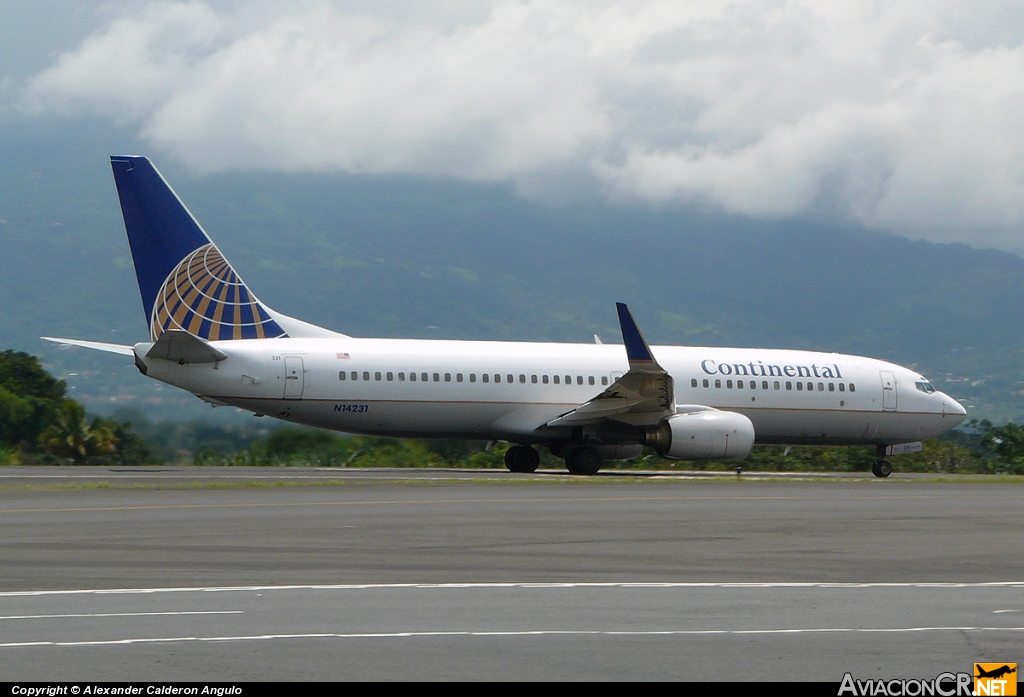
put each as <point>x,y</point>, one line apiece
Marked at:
<point>510,579</point>
<point>510,631</point>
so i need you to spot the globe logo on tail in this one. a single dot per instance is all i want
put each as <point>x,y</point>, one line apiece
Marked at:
<point>205,297</point>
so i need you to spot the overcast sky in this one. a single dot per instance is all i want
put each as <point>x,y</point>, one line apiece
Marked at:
<point>905,115</point>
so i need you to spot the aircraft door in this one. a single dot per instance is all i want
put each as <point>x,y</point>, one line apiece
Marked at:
<point>889,395</point>
<point>294,377</point>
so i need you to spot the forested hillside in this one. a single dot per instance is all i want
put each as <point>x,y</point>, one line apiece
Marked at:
<point>416,257</point>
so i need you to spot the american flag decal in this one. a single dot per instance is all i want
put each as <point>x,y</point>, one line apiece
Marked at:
<point>343,355</point>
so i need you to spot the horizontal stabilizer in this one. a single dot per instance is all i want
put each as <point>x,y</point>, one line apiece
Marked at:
<point>181,347</point>
<point>98,345</point>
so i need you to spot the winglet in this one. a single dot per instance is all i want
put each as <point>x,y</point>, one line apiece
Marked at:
<point>637,350</point>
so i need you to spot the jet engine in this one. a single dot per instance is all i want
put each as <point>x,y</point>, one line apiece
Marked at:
<point>703,435</point>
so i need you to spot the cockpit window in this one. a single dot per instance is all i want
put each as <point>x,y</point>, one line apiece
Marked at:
<point>925,387</point>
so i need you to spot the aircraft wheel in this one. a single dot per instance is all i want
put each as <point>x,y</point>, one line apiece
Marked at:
<point>522,458</point>
<point>531,459</point>
<point>881,468</point>
<point>583,461</point>
<point>511,455</point>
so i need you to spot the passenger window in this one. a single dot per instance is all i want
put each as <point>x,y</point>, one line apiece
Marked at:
<point>568,379</point>
<point>437,377</point>
<point>554,378</point>
<point>842,387</point>
<point>423,377</point>
<point>821,387</point>
<point>366,375</point>
<point>522,379</point>
<point>728,384</point>
<point>391,377</point>
<point>472,377</point>
<point>510,379</point>
<point>544,379</point>
<point>590,380</point>
<point>497,377</point>
<point>342,375</point>
<point>764,385</point>
<point>739,384</point>
<point>412,377</point>
<point>718,384</point>
<point>799,387</point>
<point>789,385</point>
<point>533,379</point>
<point>458,377</point>
<point>579,379</point>
<point>853,388</point>
<point>355,375</point>
<point>776,385</point>
<point>484,377</point>
<point>604,379</point>
<point>831,387</point>
<point>401,377</point>
<point>810,387</point>
<point>706,383</point>
<point>447,377</point>
<point>693,382</point>
<point>377,376</point>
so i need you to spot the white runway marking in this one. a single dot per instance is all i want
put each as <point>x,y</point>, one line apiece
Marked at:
<point>443,586</point>
<point>521,633</point>
<point>123,614</point>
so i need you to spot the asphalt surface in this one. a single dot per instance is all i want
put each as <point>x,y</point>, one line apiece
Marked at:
<point>433,575</point>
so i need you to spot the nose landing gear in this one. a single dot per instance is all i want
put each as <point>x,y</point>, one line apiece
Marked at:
<point>881,468</point>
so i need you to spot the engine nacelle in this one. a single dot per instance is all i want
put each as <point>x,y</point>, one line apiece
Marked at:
<point>703,435</point>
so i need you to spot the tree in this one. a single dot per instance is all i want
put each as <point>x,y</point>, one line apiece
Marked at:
<point>1007,441</point>
<point>72,436</point>
<point>29,398</point>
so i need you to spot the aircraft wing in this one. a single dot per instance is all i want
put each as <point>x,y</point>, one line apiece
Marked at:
<point>642,396</point>
<point>98,345</point>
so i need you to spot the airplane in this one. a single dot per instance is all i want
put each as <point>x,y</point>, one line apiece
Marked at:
<point>587,403</point>
<point>995,673</point>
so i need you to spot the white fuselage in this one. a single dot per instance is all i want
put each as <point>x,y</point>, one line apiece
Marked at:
<point>851,399</point>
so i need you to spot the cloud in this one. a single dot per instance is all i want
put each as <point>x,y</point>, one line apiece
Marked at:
<point>901,114</point>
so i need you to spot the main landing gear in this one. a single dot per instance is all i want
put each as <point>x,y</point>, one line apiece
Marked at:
<point>578,460</point>
<point>881,468</point>
<point>522,458</point>
<point>583,460</point>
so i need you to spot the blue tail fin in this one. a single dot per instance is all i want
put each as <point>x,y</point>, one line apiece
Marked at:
<point>186,283</point>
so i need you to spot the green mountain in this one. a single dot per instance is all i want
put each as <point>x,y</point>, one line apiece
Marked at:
<point>421,257</point>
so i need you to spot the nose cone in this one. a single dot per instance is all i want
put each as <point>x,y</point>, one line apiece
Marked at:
<point>953,409</point>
